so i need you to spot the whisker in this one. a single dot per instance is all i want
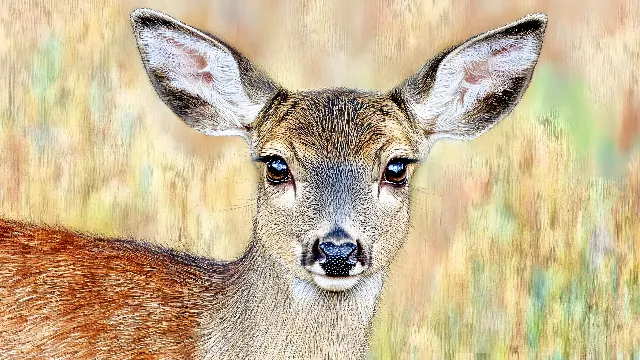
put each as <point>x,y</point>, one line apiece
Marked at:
<point>425,191</point>
<point>246,204</point>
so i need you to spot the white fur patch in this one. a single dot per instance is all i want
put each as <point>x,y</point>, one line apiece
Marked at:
<point>331,283</point>
<point>365,292</point>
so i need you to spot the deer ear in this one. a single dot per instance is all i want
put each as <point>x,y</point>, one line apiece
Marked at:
<point>464,91</point>
<point>211,86</point>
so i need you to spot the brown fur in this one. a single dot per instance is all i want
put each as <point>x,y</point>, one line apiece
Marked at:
<point>340,124</point>
<point>111,298</point>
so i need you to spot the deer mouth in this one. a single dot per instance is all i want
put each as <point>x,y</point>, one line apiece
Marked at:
<point>318,269</point>
<point>335,283</point>
<point>331,282</point>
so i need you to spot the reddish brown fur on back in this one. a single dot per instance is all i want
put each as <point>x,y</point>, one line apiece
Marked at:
<point>68,295</point>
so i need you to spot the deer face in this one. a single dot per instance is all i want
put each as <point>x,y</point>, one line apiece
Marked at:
<point>335,197</point>
<point>333,203</point>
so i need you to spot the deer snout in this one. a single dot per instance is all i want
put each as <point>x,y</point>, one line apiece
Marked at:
<point>337,259</point>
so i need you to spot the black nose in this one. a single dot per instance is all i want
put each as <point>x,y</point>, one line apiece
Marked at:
<point>337,260</point>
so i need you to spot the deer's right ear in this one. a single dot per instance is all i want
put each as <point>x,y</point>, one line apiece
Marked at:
<point>211,86</point>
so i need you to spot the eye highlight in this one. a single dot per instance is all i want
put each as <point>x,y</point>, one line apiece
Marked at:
<point>276,170</point>
<point>396,171</point>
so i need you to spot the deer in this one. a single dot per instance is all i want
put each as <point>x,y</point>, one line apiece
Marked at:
<point>333,209</point>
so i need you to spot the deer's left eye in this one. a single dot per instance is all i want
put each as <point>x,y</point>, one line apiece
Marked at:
<point>277,170</point>
<point>396,172</point>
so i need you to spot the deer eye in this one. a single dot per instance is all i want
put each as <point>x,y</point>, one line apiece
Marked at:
<point>396,172</point>
<point>277,170</point>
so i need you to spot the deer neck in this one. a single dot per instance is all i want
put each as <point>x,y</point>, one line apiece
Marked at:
<point>277,315</point>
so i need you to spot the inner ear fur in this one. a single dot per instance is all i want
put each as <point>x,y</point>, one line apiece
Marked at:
<point>465,90</point>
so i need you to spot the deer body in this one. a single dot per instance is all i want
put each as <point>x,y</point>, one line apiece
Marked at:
<point>333,209</point>
<point>86,297</point>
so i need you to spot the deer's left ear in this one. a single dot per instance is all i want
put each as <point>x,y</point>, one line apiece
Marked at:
<point>464,91</point>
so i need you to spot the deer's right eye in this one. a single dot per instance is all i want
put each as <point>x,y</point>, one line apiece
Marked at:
<point>277,170</point>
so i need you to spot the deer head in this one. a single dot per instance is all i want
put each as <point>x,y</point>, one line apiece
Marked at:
<point>333,203</point>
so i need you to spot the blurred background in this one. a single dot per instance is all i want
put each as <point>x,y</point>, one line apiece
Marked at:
<point>525,241</point>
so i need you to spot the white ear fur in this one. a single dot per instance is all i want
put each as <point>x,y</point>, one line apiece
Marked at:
<point>197,75</point>
<point>209,72</point>
<point>495,65</point>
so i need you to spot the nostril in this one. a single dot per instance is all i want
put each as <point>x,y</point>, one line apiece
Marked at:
<point>318,254</point>
<point>355,254</point>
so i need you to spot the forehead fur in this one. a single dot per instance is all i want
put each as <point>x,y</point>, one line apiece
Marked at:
<point>336,124</point>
